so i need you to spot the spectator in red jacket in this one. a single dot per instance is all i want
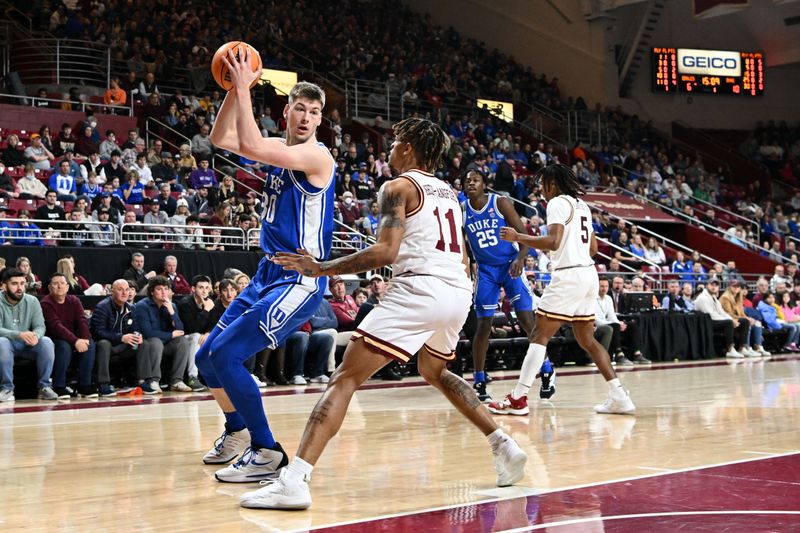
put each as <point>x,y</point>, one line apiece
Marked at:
<point>344,307</point>
<point>68,328</point>
<point>179,283</point>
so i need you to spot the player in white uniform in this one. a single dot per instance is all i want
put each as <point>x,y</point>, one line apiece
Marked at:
<point>571,295</point>
<point>422,312</point>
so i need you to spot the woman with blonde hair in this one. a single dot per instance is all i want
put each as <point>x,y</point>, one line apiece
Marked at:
<point>186,160</point>
<point>241,281</point>
<point>732,302</point>
<point>66,268</point>
<point>32,282</point>
<point>653,252</point>
<point>227,189</point>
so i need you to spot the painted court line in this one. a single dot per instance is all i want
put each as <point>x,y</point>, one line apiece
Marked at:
<point>418,382</point>
<point>547,491</point>
<point>586,520</point>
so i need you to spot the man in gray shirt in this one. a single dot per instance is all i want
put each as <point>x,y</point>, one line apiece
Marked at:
<point>22,331</point>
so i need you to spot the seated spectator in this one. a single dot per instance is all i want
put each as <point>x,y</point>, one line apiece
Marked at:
<point>156,316</point>
<point>13,156</point>
<point>732,301</point>
<point>201,144</point>
<point>5,229</point>
<point>305,344</point>
<point>769,312</point>
<point>109,145</point>
<point>184,158</point>
<point>106,201</point>
<point>377,289</point>
<point>344,306</point>
<point>708,302</point>
<point>132,232</point>
<point>104,233</point>
<point>762,288</point>
<point>32,283</point>
<point>654,253</point>
<point>7,186</point>
<point>85,144</point>
<point>22,335</point>
<point>195,312</point>
<point>165,200</point>
<point>26,233</point>
<point>113,169</point>
<point>116,333</point>
<point>177,282</point>
<point>203,176</point>
<point>780,277</point>
<point>136,273</point>
<point>76,285</point>
<point>636,247</point>
<point>80,234</point>
<point>142,170</point>
<point>687,291</point>
<point>68,328</point>
<point>115,95</point>
<point>372,220</point>
<point>617,231</point>
<point>681,267</point>
<point>155,221</point>
<point>64,141</point>
<point>698,274</point>
<point>241,280</point>
<point>351,213</point>
<point>63,183</point>
<point>605,316</point>
<point>674,300</point>
<point>199,203</point>
<point>132,190</point>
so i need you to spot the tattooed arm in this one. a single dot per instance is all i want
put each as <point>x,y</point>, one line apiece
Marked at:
<point>393,198</point>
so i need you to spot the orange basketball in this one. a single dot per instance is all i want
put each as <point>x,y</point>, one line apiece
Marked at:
<point>220,71</point>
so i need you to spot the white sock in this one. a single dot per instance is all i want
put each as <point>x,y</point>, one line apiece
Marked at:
<point>298,470</point>
<point>496,437</point>
<point>615,388</point>
<point>530,367</point>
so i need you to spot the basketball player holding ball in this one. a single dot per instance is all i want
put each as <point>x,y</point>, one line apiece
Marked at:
<point>298,200</point>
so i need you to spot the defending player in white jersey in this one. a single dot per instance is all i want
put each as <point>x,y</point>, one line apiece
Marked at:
<point>571,295</point>
<point>422,312</point>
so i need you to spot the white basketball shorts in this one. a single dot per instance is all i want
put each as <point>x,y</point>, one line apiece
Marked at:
<point>571,295</point>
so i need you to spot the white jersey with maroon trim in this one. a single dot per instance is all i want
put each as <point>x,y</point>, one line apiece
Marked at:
<point>433,243</point>
<point>575,216</point>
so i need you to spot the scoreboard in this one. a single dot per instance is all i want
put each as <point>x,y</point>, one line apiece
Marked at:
<point>688,70</point>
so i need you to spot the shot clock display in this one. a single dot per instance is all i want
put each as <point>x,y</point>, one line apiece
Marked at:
<point>687,70</point>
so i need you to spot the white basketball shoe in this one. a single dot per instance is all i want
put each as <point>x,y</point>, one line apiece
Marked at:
<point>509,462</point>
<point>255,465</point>
<point>289,491</point>
<point>227,447</point>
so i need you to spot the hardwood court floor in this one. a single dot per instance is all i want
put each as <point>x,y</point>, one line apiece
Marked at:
<point>401,451</point>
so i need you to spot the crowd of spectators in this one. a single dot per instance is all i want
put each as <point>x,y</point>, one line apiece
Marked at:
<point>149,320</point>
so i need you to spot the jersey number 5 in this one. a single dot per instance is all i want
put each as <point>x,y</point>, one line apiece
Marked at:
<point>584,230</point>
<point>440,245</point>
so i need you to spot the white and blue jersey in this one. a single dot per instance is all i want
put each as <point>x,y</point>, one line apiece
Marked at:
<point>296,215</point>
<point>494,257</point>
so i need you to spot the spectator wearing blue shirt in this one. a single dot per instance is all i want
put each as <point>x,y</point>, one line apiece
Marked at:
<point>4,227</point>
<point>203,176</point>
<point>674,300</point>
<point>372,220</point>
<point>636,246</point>
<point>157,318</point>
<point>769,314</point>
<point>63,183</point>
<point>681,267</point>
<point>26,233</point>
<point>132,191</point>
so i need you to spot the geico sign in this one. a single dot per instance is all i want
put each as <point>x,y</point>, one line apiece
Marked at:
<point>709,62</point>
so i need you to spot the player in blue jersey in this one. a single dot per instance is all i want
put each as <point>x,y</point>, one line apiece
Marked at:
<point>298,198</point>
<point>500,264</point>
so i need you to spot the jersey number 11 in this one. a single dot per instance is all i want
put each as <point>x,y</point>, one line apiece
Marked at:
<point>451,219</point>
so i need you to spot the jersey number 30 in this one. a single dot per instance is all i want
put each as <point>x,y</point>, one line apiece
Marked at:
<point>451,219</point>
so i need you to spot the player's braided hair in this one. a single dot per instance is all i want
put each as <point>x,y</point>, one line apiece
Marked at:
<point>427,139</point>
<point>565,180</point>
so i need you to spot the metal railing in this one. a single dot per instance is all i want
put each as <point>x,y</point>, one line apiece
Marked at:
<point>161,133</point>
<point>61,61</point>
<point>49,232</point>
<point>35,101</point>
<point>183,236</point>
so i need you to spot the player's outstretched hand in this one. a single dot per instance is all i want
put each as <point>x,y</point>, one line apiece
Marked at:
<point>508,234</point>
<point>302,262</point>
<point>242,75</point>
